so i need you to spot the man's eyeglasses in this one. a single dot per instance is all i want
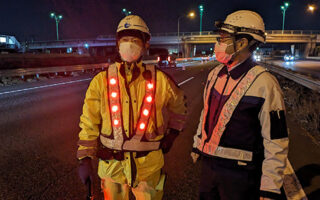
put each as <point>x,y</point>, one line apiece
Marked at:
<point>224,38</point>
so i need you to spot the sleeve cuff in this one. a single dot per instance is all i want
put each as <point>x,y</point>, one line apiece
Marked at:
<point>174,131</point>
<point>195,150</point>
<point>270,195</point>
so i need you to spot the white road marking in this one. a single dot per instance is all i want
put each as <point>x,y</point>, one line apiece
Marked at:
<point>65,83</point>
<point>44,86</point>
<point>183,82</point>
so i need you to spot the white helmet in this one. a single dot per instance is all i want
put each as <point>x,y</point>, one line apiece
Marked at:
<point>133,23</point>
<point>244,22</point>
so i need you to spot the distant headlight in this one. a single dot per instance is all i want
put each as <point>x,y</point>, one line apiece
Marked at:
<point>286,58</point>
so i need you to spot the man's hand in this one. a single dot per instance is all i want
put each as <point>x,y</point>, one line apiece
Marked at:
<point>194,157</point>
<point>85,170</point>
<point>265,198</point>
<point>168,140</point>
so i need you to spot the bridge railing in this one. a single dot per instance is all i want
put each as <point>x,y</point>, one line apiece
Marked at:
<point>183,33</point>
<point>101,37</point>
<point>175,34</point>
<point>294,32</point>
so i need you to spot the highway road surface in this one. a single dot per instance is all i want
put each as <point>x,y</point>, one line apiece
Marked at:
<point>309,67</point>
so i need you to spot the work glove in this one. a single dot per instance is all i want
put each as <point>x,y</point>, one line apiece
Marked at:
<point>167,141</point>
<point>194,157</point>
<point>85,170</point>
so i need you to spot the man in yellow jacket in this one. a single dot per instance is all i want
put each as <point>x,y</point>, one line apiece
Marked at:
<point>123,121</point>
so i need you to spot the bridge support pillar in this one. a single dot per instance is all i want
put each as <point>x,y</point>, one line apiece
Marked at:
<point>189,50</point>
<point>186,50</point>
<point>307,50</point>
<point>194,50</point>
<point>312,51</point>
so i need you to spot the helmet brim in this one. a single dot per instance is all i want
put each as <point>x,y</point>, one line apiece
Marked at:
<point>134,33</point>
<point>239,30</point>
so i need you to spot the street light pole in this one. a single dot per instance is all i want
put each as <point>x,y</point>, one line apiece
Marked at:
<point>191,14</point>
<point>201,14</point>
<point>179,35</point>
<point>284,9</point>
<point>57,29</point>
<point>57,18</point>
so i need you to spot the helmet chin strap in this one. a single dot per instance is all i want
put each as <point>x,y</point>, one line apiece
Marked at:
<point>136,61</point>
<point>237,52</point>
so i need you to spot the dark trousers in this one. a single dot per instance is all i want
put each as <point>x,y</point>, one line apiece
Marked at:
<point>223,179</point>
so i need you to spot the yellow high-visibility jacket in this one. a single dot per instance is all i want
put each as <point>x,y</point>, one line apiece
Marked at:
<point>95,121</point>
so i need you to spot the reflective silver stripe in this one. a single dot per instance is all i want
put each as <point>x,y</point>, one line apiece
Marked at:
<point>135,144</point>
<point>88,143</point>
<point>111,143</point>
<point>117,142</point>
<point>206,102</point>
<point>86,152</point>
<point>234,154</point>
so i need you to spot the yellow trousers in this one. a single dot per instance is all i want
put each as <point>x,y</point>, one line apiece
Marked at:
<point>151,189</point>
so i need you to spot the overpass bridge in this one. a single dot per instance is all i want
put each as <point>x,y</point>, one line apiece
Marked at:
<point>187,40</point>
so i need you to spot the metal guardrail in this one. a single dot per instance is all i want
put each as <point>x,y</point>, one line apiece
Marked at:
<point>74,68</point>
<point>47,70</point>
<point>298,78</point>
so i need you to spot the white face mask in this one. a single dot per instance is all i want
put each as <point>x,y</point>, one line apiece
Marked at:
<point>130,51</point>
<point>220,51</point>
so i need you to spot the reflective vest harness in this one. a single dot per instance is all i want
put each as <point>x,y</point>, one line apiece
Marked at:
<point>211,146</point>
<point>135,143</point>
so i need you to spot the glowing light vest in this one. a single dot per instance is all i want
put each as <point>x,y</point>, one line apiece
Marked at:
<point>135,143</point>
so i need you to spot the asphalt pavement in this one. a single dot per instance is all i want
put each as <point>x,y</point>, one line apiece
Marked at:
<point>308,67</point>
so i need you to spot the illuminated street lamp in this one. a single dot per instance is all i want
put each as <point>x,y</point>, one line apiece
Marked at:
<point>126,12</point>
<point>284,8</point>
<point>58,18</point>
<point>190,15</point>
<point>201,14</point>
<point>311,8</point>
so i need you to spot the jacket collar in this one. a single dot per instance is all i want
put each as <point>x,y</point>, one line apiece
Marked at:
<point>239,70</point>
<point>136,68</point>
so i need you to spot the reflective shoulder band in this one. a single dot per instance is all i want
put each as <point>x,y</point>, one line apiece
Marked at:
<point>229,107</point>
<point>234,154</point>
<point>114,110</point>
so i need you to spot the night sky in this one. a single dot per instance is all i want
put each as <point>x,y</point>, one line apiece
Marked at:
<point>29,19</point>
